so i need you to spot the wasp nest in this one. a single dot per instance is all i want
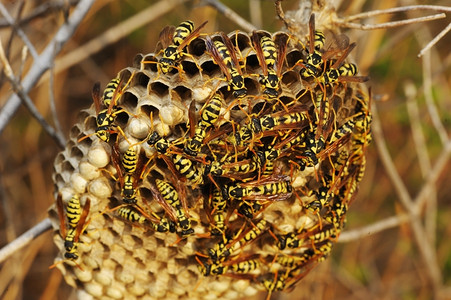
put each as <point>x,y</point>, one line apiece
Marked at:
<point>217,167</point>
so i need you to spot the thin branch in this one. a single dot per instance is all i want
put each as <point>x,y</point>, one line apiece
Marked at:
<point>281,14</point>
<point>428,254</point>
<point>45,60</point>
<point>417,132</point>
<point>42,10</point>
<point>355,234</point>
<point>397,9</point>
<point>381,146</point>
<point>25,239</point>
<point>425,248</point>
<point>229,13</point>
<point>255,11</point>
<point>345,24</point>
<point>423,158</point>
<point>432,108</point>
<point>19,31</point>
<point>435,40</point>
<point>61,141</point>
<point>432,178</point>
<point>53,105</point>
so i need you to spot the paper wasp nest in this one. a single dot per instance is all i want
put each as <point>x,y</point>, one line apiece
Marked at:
<point>254,204</point>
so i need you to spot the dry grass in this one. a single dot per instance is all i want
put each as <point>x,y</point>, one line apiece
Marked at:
<point>396,244</point>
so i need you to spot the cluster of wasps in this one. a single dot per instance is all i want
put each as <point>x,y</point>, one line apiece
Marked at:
<point>240,166</point>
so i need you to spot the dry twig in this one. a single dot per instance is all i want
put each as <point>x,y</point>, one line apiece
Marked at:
<point>346,24</point>
<point>396,10</point>
<point>19,31</point>
<point>356,234</point>
<point>229,13</point>
<point>57,136</point>
<point>435,40</point>
<point>24,239</point>
<point>45,60</point>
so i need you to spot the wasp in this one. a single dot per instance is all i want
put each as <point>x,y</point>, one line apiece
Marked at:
<point>209,116</point>
<point>337,212</point>
<point>76,219</point>
<point>337,71</point>
<point>211,269</point>
<point>106,117</point>
<point>314,63</point>
<point>276,282</point>
<point>169,194</point>
<point>289,239</point>
<point>218,204</point>
<point>188,169</point>
<point>322,198</point>
<point>224,249</point>
<point>275,188</point>
<point>309,145</point>
<point>130,160</point>
<point>267,159</point>
<point>322,234</point>
<point>271,122</point>
<point>224,55</point>
<point>175,40</point>
<point>110,91</point>
<point>262,160</point>
<point>237,266</point>
<point>183,165</point>
<point>160,143</point>
<point>295,240</point>
<point>296,261</point>
<point>220,251</point>
<point>344,130</point>
<point>266,123</point>
<point>129,213</point>
<point>128,179</point>
<point>271,61</point>
<point>245,266</point>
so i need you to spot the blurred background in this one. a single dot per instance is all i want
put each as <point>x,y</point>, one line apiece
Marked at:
<point>396,245</point>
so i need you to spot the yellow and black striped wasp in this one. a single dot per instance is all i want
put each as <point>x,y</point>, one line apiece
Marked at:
<point>129,171</point>
<point>271,58</point>
<point>314,63</point>
<point>280,120</point>
<point>269,124</point>
<point>174,40</point>
<point>218,205</point>
<point>261,161</point>
<point>298,260</point>
<point>274,188</point>
<point>242,265</point>
<point>110,92</point>
<point>223,53</point>
<point>170,195</point>
<point>339,71</point>
<point>208,117</point>
<point>275,281</point>
<point>178,163</point>
<point>136,215</point>
<point>76,221</point>
<point>107,116</point>
<point>317,234</point>
<point>226,248</point>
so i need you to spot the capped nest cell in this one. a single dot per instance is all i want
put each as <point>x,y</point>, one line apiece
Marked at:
<point>218,166</point>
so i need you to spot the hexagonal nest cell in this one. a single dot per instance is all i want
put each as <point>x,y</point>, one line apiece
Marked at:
<point>219,166</point>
